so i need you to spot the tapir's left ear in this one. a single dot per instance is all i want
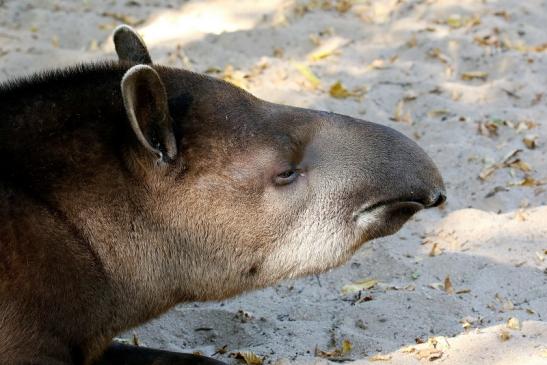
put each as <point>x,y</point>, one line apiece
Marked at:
<point>145,101</point>
<point>130,46</point>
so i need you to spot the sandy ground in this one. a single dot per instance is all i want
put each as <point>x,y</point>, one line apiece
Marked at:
<point>466,79</point>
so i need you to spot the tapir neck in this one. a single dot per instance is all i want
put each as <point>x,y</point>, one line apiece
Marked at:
<point>57,128</point>
<point>62,139</point>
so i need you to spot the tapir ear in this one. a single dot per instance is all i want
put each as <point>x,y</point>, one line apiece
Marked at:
<point>145,101</point>
<point>130,46</point>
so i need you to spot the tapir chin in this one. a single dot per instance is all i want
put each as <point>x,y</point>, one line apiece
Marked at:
<point>128,187</point>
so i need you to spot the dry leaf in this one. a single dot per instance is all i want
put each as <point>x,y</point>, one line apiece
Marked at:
<point>504,335</point>
<point>435,251</point>
<point>513,323</point>
<point>529,141</point>
<point>250,358</point>
<point>337,90</point>
<point>364,284</point>
<point>127,19</point>
<point>529,181</point>
<point>488,128</point>
<point>429,354</point>
<point>506,162</point>
<point>346,346</point>
<point>399,115</point>
<point>278,52</point>
<point>473,75</point>
<point>437,54</point>
<point>408,349</point>
<point>520,165</point>
<point>454,21</point>
<point>463,291</point>
<point>437,113</point>
<point>448,285</point>
<point>378,64</point>
<point>343,6</point>
<point>235,77</point>
<point>380,357</point>
<point>466,324</point>
<point>324,53</point>
<point>308,74</point>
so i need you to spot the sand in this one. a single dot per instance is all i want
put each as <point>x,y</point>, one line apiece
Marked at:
<point>466,79</point>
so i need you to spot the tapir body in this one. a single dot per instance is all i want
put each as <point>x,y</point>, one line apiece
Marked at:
<point>128,187</point>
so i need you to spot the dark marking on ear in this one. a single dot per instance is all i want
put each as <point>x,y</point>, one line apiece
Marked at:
<point>130,46</point>
<point>178,108</point>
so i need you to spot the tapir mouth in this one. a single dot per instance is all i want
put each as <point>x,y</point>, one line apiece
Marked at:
<point>385,218</point>
<point>404,207</point>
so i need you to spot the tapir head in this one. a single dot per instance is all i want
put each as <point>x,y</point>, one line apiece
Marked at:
<point>245,192</point>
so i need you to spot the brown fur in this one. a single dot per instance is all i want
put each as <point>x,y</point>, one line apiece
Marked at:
<point>98,234</point>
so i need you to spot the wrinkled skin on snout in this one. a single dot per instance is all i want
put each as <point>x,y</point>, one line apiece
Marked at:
<point>129,187</point>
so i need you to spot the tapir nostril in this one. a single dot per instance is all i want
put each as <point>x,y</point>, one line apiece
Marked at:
<point>439,198</point>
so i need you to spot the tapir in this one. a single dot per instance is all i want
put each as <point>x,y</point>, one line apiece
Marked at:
<point>128,187</point>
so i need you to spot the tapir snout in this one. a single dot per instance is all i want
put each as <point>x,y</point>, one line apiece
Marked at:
<point>361,180</point>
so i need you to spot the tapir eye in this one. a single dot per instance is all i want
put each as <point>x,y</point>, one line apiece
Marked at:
<point>286,177</point>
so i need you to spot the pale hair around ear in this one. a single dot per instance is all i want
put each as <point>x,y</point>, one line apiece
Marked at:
<point>130,46</point>
<point>145,101</point>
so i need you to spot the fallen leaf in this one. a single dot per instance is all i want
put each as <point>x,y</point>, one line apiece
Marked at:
<point>506,162</point>
<point>378,64</point>
<point>127,19</point>
<point>529,181</point>
<point>408,349</point>
<point>504,335</point>
<point>429,354</point>
<point>520,165</point>
<point>343,6</point>
<point>308,74</point>
<point>399,114</point>
<point>437,54</point>
<point>278,52</point>
<point>250,358</point>
<point>338,91</point>
<point>529,141</point>
<point>235,77</point>
<point>503,14</point>
<point>466,324</point>
<point>435,251</point>
<point>473,75</point>
<point>437,113</point>
<point>513,323</point>
<point>488,128</point>
<point>380,357</point>
<point>324,53</point>
<point>364,284</point>
<point>346,346</point>
<point>454,21</point>
<point>448,285</point>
